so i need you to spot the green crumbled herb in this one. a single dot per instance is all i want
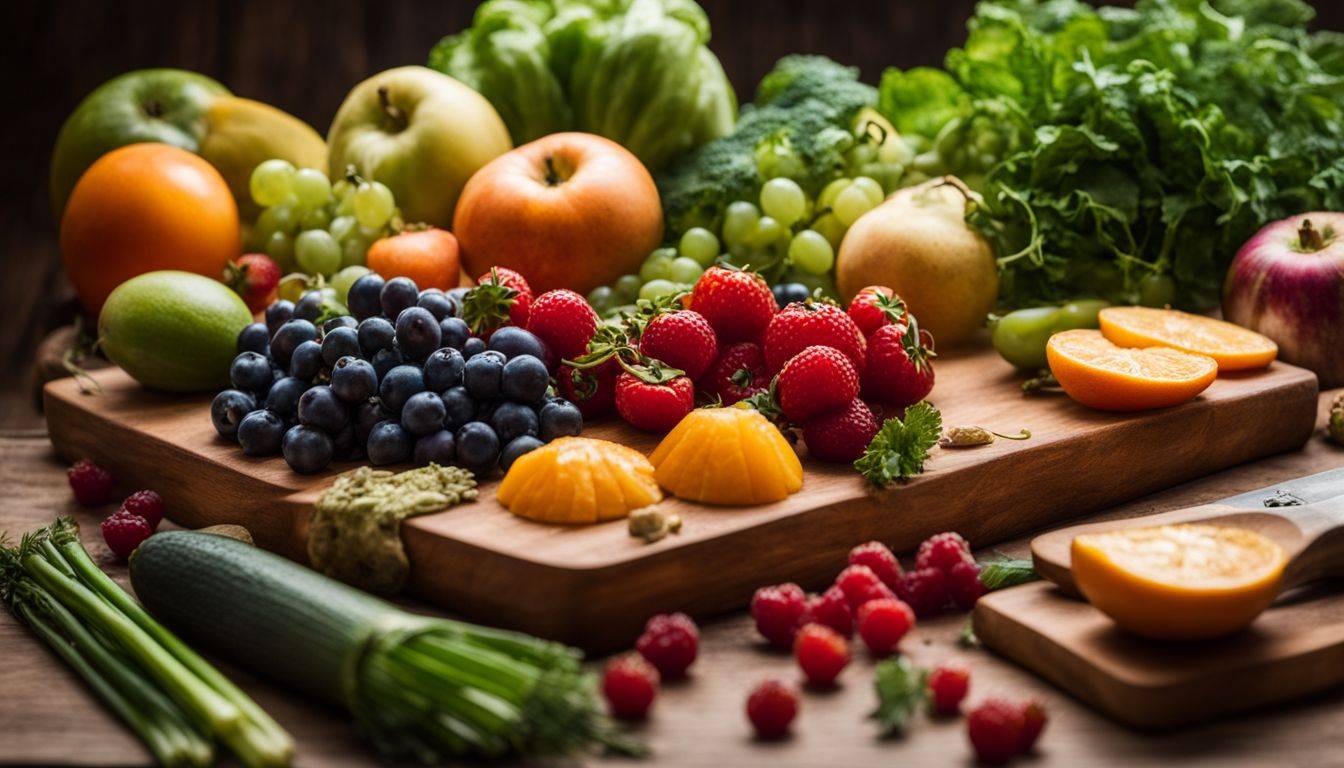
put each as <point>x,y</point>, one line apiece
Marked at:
<point>1006,572</point>
<point>900,689</point>
<point>900,447</point>
<point>967,638</point>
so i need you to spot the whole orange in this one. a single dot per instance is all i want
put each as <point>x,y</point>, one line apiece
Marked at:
<point>142,208</point>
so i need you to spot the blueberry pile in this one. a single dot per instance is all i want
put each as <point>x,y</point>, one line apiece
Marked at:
<point>400,379</point>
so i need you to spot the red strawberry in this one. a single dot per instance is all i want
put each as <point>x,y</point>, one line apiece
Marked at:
<point>682,339</point>
<point>803,324</point>
<point>876,306</point>
<point>736,303</point>
<point>736,374</point>
<point>654,407</point>
<point>254,277</point>
<point>501,297</point>
<point>899,372</point>
<point>592,390</point>
<point>841,435</point>
<point>563,320</point>
<point>816,380</point>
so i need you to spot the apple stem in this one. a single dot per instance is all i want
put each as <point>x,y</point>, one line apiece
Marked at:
<point>552,177</point>
<point>154,109</point>
<point>395,115</point>
<point>1310,237</point>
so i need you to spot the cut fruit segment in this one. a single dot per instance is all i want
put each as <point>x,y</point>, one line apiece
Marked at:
<point>575,480</point>
<point>1235,348</point>
<point>729,456</point>
<point>1099,374</point>
<point>1179,582</point>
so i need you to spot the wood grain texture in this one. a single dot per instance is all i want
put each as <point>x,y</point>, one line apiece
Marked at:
<point>592,586</point>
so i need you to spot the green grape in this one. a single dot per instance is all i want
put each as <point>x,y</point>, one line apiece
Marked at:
<point>317,252</point>
<point>685,270</point>
<point>600,298</point>
<point>345,206</point>
<point>828,192</point>
<point>342,280</point>
<point>831,229</point>
<point>316,218</point>
<point>657,267</point>
<point>341,227</point>
<point>852,203</point>
<point>279,218</point>
<point>699,245</point>
<point>739,219</point>
<point>657,288</point>
<point>280,247</point>
<point>783,200</point>
<point>767,231</point>
<point>311,188</point>
<point>373,204</point>
<point>811,252</point>
<point>272,181</point>
<point>353,251</point>
<point>626,288</point>
<point>666,252</point>
<point>371,234</point>
<point>872,188</point>
<point>341,189</point>
<point>292,287</point>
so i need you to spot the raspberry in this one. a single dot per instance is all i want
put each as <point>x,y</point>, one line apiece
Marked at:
<point>942,551</point>
<point>146,504</point>
<point>629,684</point>
<point>995,729</point>
<point>882,624</point>
<point>879,558</point>
<point>1033,722</point>
<point>669,643</point>
<point>924,590</point>
<point>821,653</point>
<point>92,484</point>
<point>964,585</point>
<point>123,532</point>
<point>860,585</point>
<point>777,610</point>
<point>830,609</point>
<point>771,707</point>
<point>948,685</point>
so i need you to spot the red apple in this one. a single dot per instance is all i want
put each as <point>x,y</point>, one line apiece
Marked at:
<point>569,210</point>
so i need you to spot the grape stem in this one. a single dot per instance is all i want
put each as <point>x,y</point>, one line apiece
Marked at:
<point>395,115</point>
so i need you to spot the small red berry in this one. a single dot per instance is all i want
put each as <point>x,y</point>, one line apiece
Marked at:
<point>92,484</point>
<point>737,303</point>
<point>860,584</point>
<point>653,407</point>
<point>146,504</point>
<point>776,611</point>
<point>874,307</point>
<point>830,609</point>
<point>501,296</point>
<point>899,368</point>
<point>842,435</point>
<point>682,339</point>
<point>592,391</point>
<point>564,320</point>
<point>630,685</point>
<point>803,324</point>
<point>254,277</point>
<point>924,590</point>
<point>942,551</point>
<point>736,374</point>
<point>948,685</point>
<point>821,652</point>
<point>964,585</point>
<point>995,729</point>
<point>771,708</point>
<point>878,557</point>
<point>123,532</point>
<point>882,624</point>
<point>1033,722</point>
<point>669,643</point>
<point>817,380</point>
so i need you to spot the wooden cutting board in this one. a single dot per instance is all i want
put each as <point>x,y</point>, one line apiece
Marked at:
<point>594,586</point>
<point>1293,649</point>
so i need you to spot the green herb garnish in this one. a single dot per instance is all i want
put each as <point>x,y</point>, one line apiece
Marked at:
<point>900,690</point>
<point>900,447</point>
<point>1006,572</point>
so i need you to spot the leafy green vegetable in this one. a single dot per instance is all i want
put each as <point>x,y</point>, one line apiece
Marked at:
<point>899,448</point>
<point>1118,145</point>
<point>900,689</point>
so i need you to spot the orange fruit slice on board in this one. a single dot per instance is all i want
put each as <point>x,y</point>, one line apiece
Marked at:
<point>1179,582</point>
<point>575,480</point>
<point>1235,348</point>
<point>1101,375</point>
<point>727,456</point>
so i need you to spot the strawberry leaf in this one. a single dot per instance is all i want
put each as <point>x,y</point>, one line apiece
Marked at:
<point>900,447</point>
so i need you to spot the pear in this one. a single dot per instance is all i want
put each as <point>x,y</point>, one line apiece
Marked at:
<point>241,133</point>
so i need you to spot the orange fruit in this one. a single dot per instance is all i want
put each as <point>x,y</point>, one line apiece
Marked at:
<point>729,456</point>
<point>143,208</point>
<point>1235,348</point>
<point>427,256</point>
<point>1099,374</point>
<point>578,480</point>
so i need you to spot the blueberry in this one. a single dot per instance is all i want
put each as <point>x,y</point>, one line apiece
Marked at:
<point>398,293</point>
<point>279,313</point>
<point>423,414</point>
<point>338,343</point>
<point>454,332</point>
<point>306,449</point>
<point>228,409</point>
<point>254,338</point>
<point>439,448</point>
<point>512,420</point>
<point>386,360</point>
<point>376,333</point>
<point>524,379</point>
<point>456,295</point>
<point>560,419</point>
<point>388,444</point>
<point>251,372</point>
<point>513,341</point>
<point>481,375</point>
<point>283,399</point>
<point>260,432</point>
<point>320,407</point>
<point>460,407</point>
<point>309,306</point>
<point>787,293</point>
<point>443,369</point>
<point>344,446</point>
<point>306,362</point>
<point>438,304</point>
<point>515,448</point>
<point>353,380</point>
<point>417,332</point>
<point>340,321</point>
<point>363,299</point>
<point>365,416</point>
<point>477,446</point>
<point>288,337</point>
<point>398,386</point>
<point>472,347</point>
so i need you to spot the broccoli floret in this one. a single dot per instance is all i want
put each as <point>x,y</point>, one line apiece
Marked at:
<point>797,78</point>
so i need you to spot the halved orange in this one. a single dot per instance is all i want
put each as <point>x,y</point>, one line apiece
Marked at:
<point>1099,374</point>
<point>1235,348</point>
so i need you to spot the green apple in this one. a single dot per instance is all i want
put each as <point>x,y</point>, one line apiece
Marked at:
<point>421,133</point>
<point>159,105</point>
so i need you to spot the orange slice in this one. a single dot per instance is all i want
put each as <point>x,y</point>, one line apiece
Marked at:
<point>1101,375</point>
<point>1179,582</point>
<point>576,480</point>
<point>727,456</point>
<point>1235,348</point>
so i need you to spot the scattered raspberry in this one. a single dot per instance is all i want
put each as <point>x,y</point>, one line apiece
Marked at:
<point>123,532</point>
<point>146,504</point>
<point>593,390</point>
<point>942,551</point>
<point>809,323</point>
<point>948,685</point>
<point>899,369</point>
<point>816,380</point>
<point>879,560</point>
<point>682,339</point>
<point>964,585</point>
<point>924,590</point>
<point>859,585</point>
<point>736,374</point>
<point>776,611</point>
<point>1033,722</point>
<point>771,708</point>
<point>737,303</point>
<point>874,307</point>
<point>653,407</point>
<point>830,609</point>
<point>669,643</point>
<point>882,624</point>
<point>842,435</point>
<point>629,684</point>
<point>564,320</point>
<point>995,729</point>
<point>92,484</point>
<point>821,653</point>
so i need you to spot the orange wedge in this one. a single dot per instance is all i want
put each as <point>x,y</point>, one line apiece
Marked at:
<point>1235,348</point>
<point>1101,375</point>
<point>1179,582</point>
<point>577,480</point>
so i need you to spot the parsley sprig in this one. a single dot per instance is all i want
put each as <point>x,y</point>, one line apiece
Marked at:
<point>900,447</point>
